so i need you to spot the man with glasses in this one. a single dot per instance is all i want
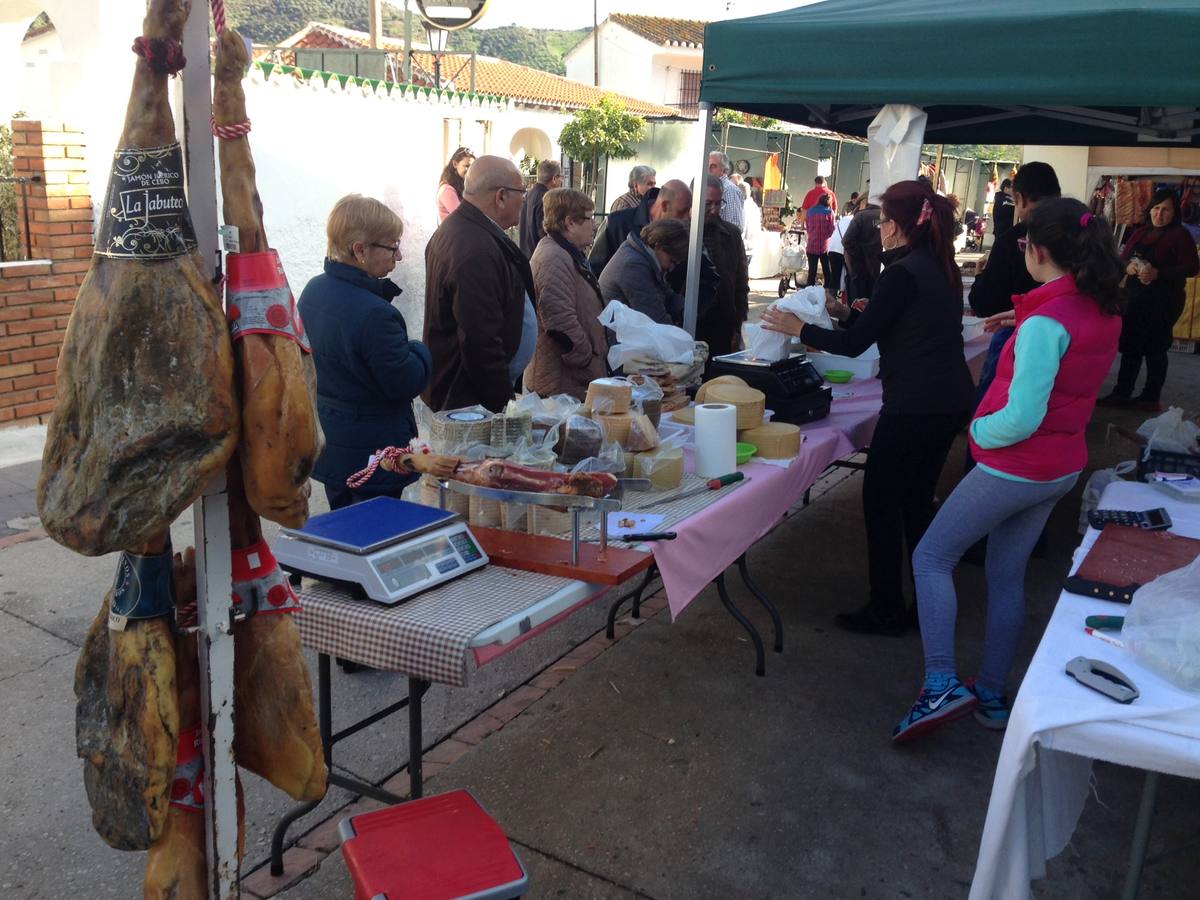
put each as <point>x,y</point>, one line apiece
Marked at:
<point>480,323</point>
<point>549,176</point>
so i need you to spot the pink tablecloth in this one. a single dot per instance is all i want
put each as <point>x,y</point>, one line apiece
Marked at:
<point>711,540</point>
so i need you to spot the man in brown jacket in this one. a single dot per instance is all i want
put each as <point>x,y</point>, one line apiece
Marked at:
<point>480,323</point>
<point>720,324</point>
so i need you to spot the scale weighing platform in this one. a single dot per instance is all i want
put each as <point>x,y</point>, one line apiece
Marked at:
<point>389,548</point>
<point>795,389</point>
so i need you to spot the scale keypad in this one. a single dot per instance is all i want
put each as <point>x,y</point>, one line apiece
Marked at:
<point>465,546</point>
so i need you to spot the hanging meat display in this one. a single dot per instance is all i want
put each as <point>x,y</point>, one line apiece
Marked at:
<point>275,725</point>
<point>146,412</point>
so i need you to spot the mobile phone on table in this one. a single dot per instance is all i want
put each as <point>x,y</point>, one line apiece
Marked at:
<point>1150,519</point>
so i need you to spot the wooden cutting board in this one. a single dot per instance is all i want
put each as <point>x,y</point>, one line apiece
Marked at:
<point>1125,558</point>
<point>552,556</point>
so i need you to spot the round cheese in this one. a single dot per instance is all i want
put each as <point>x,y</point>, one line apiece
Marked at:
<point>609,396</point>
<point>702,394</point>
<point>456,431</point>
<point>750,402</point>
<point>685,415</point>
<point>616,427</point>
<point>774,440</point>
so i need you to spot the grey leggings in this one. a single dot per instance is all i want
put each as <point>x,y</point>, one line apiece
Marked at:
<point>1012,514</point>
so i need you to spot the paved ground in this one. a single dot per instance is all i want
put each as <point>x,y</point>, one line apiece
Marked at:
<point>655,766</point>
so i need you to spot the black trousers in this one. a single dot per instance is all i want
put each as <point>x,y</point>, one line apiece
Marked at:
<point>1146,335</point>
<point>340,496</point>
<point>837,262</point>
<point>812,267</point>
<point>903,467</point>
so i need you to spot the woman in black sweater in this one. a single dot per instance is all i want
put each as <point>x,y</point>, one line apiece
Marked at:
<point>915,316</point>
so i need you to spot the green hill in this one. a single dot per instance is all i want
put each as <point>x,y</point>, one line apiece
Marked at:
<point>269,21</point>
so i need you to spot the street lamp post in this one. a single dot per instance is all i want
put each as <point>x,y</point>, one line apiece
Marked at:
<point>437,45</point>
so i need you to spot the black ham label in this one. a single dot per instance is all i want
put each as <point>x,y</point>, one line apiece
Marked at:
<point>146,213</point>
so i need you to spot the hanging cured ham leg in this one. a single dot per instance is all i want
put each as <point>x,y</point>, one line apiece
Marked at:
<point>176,866</point>
<point>276,734</point>
<point>146,412</point>
<point>126,715</point>
<point>281,433</point>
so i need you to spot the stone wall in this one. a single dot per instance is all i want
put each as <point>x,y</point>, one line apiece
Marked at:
<point>36,297</point>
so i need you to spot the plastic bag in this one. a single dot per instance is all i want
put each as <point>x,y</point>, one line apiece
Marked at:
<point>1171,432</point>
<point>1162,626</point>
<point>807,304</point>
<point>639,335</point>
<point>1099,480</point>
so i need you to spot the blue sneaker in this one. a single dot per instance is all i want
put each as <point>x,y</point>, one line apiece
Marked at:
<point>943,699</point>
<point>992,711</point>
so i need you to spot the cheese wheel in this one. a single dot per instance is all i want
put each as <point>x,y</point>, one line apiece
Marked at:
<point>456,431</point>
<point>702,394</point>
<point>684,416</point>
<point>774,440</point>
<point>750,403</point>
<point>609,396</point>
<point>616,427</point>
<point>642,433</point>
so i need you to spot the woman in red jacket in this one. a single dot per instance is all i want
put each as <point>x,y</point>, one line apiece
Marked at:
<point>1160,257</point>
<point>1028,440</point>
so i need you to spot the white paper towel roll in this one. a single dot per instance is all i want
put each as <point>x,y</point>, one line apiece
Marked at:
<point>716,435</point>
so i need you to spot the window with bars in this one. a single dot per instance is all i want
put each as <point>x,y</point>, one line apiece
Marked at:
<point>689,93</point>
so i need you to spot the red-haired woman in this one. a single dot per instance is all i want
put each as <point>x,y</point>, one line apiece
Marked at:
<point>915,316</point>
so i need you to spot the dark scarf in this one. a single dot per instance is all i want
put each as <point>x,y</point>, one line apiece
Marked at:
<point>582,266</point>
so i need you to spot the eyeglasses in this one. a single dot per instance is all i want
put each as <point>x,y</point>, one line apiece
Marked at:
<point>1023,244</point>
<point>391,248</point>
<point>522,191</point>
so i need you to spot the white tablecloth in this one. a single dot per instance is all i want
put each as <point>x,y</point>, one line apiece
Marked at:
<point>1058,727</point>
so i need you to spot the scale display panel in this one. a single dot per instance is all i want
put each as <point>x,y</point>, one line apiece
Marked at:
<point>389,548</point>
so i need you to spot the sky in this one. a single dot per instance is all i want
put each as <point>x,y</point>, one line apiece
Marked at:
<point>578,13</point>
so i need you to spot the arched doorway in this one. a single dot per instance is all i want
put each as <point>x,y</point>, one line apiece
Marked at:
<point>530,144</point>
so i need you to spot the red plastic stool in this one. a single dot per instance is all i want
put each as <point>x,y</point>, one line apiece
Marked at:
<point>438,848</point>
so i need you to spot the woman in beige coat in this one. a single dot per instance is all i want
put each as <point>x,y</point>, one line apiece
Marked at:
<point>571,345</point>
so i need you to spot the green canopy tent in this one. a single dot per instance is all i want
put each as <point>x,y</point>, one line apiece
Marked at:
<point>1071,72</point>
<point>1074,72</point>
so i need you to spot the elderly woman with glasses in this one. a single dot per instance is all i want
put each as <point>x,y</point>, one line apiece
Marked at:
<point>368,371</point>
<point>571,345</point>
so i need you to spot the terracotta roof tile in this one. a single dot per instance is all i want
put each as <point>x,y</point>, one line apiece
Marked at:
<point>662,31</point>
<point>492,76</point>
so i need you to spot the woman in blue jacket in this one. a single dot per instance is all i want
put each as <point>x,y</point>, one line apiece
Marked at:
<point>368,371</point>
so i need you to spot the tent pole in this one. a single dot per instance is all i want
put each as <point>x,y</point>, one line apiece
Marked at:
<point>691,294</point>
<point>937,167</point>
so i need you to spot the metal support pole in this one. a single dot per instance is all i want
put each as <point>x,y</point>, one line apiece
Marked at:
<point>595,46</point>
<point>214,571</point>
<point>407,45</point>
<point>1141,837</point>
<point>696,243</point>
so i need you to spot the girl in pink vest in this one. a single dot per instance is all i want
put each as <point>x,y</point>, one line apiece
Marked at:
<point>1028,437</point>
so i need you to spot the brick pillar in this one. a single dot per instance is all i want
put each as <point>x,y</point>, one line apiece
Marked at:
<point>36,297</point>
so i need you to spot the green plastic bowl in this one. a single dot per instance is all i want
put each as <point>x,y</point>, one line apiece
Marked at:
<point>744,452</point>
<point>839,376</point>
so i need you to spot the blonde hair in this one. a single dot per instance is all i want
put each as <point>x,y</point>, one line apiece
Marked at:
<point>561,204</point>
<point>358,218</point>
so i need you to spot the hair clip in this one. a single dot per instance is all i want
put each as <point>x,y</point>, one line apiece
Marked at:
<point>926,212</point>
<point>1084,219</point>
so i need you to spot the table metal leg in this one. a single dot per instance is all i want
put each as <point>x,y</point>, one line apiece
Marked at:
<point>1141,837</point>
<point>772,610</point>
<point>651,573</point>
<point>416,781</point>
<point>760,665</point>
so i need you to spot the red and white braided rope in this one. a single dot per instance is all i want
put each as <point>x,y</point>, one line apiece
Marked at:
<point>218,11</point>
<point>392,454</point>
<point>230,132</point>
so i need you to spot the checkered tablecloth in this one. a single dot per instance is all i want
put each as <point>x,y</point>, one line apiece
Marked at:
<point>425,637</point>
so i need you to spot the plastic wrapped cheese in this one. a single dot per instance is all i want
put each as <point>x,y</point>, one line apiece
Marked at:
<point>578,439</point>
<point>663,466</point>
<point>774,440</point>
<point>616,427</point>
<point>642,434</point>
<point>609,396</point>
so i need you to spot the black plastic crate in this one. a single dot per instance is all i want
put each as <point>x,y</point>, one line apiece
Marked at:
<point>1166,461</point>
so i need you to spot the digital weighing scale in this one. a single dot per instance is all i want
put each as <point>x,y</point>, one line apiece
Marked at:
<point>795,389</point>
<point>388,548</point>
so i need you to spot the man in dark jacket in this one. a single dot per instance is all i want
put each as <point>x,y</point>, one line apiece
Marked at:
<point>1004,208</point>
<point>671,201</point>
<point>862,249</point>
<point>720,325</point>
<point>479,294</point>
<point>549,176</point>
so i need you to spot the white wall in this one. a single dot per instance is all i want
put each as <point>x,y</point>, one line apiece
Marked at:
<point>1070,165</point>
<point>626,62</point>
<point>666,73</point>
<point>674,149</point>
